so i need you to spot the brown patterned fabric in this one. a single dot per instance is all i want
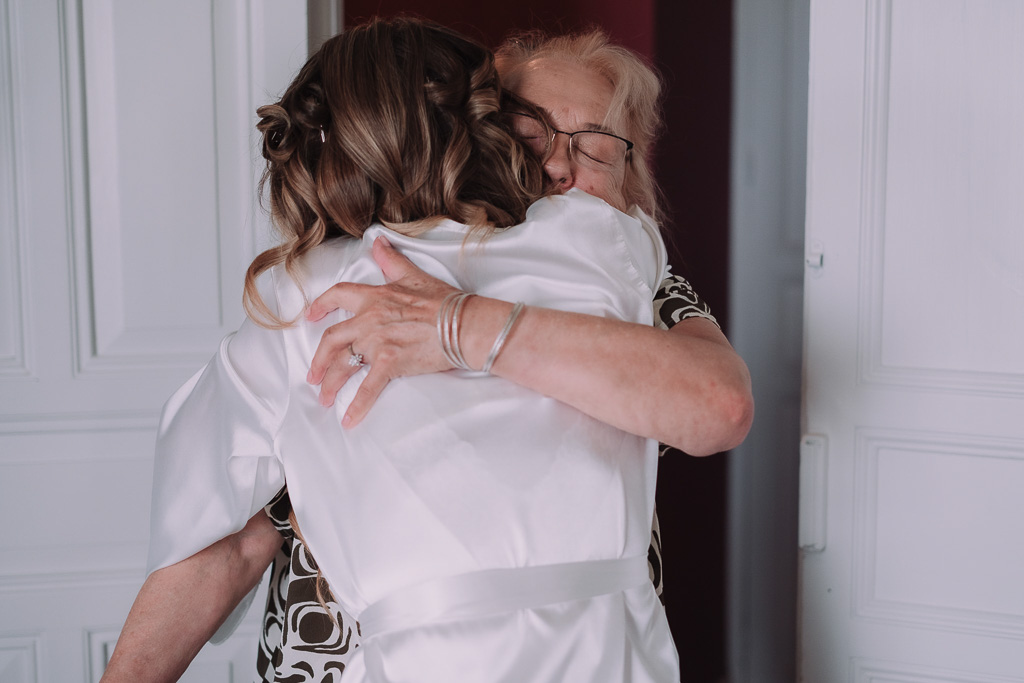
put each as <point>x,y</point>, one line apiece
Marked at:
<point>300,644</point>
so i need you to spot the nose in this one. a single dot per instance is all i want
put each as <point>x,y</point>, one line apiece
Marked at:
<point>558,165</point>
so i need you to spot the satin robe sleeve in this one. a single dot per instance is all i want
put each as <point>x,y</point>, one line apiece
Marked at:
<point>217,462</point>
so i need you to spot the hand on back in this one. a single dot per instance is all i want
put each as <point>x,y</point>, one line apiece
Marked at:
<point>393,328</point>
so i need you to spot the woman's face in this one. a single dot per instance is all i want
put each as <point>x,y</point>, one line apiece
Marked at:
<point>575,98</point>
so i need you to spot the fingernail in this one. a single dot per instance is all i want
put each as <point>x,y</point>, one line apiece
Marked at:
<point>309,377</point>
<point>346,421</point>
<point>385,240</point>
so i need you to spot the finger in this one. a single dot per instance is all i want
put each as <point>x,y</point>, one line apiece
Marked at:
<point>365,397</point>
<point>391,262</point>
<point>335,378</point>
<point>347,296</point>
<point>333,349</point>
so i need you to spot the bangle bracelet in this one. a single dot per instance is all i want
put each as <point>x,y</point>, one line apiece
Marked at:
<point>502,336</point>
<point>443,328</point>
<point>457,305</point>
<point>448,318</point>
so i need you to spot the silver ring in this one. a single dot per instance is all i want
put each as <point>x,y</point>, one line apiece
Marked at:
<point>356,360</point>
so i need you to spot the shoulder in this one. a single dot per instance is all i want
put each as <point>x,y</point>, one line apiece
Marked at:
<point>657,244</point>
<point>600,233</point>
<point>310,274</point>
<point>578,216</point>
<point>577,203</point>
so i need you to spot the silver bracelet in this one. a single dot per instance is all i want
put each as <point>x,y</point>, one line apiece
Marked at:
<point>502,336</point>
<point>456,319</point>
<point>448,318</point>
<point>442,328</point>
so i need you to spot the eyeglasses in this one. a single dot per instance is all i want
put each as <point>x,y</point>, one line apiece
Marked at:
<point>593,148</point>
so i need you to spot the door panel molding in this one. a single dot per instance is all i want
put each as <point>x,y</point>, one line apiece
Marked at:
<point>19,658</point>
<point>15,340</point>
<point>158,250</point>
<point>871,671</point>
<point>903,340</point>
<point>942,542</point>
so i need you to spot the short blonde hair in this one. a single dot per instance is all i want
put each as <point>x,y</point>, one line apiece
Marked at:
<point>636,100</point>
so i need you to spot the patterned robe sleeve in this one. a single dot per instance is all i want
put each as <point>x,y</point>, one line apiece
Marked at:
<point>676,300</point>
<point>299,639</point>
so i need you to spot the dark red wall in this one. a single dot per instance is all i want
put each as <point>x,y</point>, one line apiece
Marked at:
<point>489,22</point>
<point>691,43</point>
<point>693,49</point>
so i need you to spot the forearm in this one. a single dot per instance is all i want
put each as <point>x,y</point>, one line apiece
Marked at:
<point>181,606</point>
<point>685,387</point>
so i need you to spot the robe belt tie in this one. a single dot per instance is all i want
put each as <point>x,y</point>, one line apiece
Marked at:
<point>496,591</point>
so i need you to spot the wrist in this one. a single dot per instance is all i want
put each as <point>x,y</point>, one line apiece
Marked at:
<point>483,322</point>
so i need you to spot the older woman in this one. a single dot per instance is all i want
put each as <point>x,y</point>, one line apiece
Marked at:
<point>685,387</point>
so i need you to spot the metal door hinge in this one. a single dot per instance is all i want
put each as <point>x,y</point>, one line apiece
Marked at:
<point>813,487</point>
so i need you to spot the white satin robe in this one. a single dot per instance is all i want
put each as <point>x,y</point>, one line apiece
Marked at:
<point>450,473</point>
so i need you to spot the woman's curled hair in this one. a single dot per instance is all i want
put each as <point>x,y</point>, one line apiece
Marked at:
<point>395,121</point>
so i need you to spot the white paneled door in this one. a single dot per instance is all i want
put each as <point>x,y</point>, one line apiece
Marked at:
<point>127,216</point>
<point>912,511</point>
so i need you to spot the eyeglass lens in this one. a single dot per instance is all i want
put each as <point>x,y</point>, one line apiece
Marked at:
<point>586,147</point>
